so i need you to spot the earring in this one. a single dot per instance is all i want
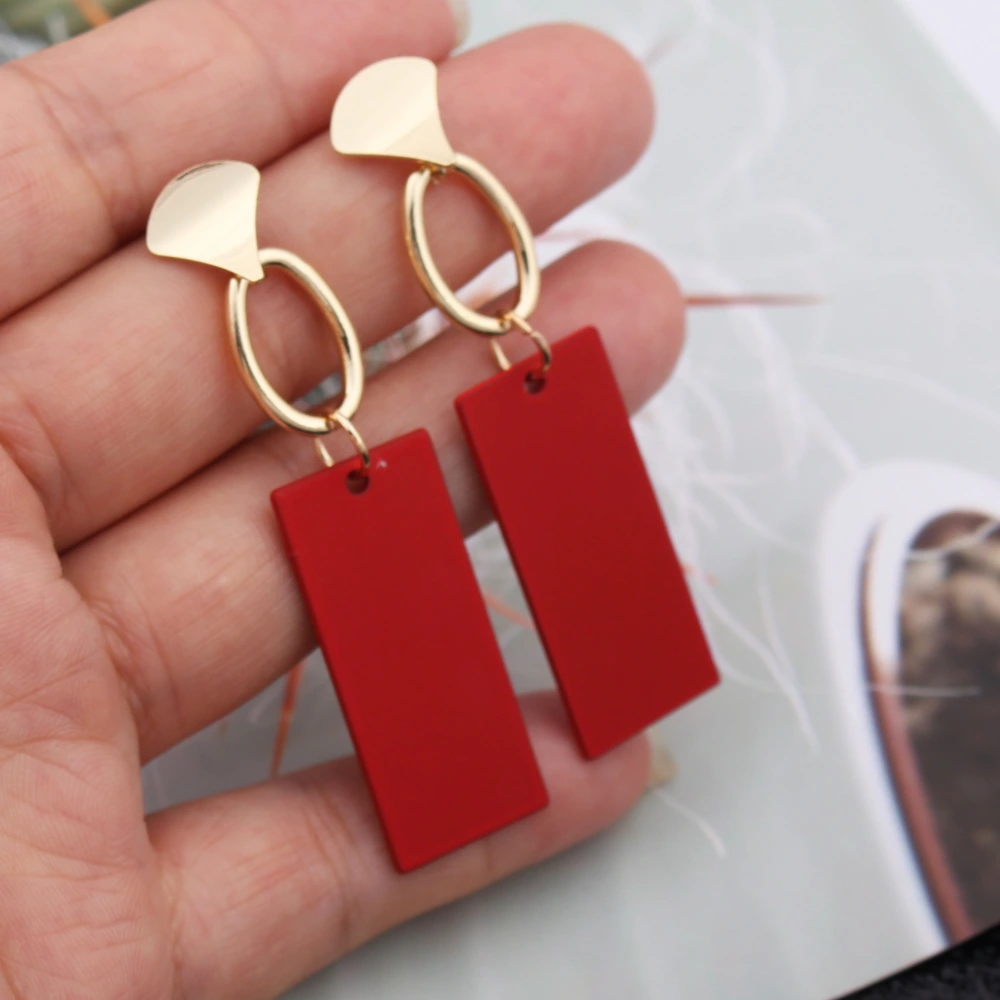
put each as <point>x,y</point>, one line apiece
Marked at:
<point>381,563</point>
<point>552,442</point>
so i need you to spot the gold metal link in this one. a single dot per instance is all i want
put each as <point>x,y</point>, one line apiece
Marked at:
<point>340,422</point>
<point>528,273</point>
<point>512,319</point>
<point>276,406</point>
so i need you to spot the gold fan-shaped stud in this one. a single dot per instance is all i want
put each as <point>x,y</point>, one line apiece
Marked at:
<point>391,109</point>
<point>208,214</point>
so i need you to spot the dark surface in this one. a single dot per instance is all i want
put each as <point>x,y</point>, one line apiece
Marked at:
<point>970,971</point>
<point>950,639</point>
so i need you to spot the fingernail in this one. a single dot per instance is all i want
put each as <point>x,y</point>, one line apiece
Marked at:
<point>661,765</point>
<point>460,12</point>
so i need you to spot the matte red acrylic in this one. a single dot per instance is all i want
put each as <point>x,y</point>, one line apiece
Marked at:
<point>408,642</point>
<point>581,520</point>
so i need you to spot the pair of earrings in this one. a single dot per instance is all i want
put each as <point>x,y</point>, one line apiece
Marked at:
<point>375,543</point>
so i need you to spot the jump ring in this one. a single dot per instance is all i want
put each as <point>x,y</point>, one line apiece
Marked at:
<point>340,421</point>
<point>512,319</point>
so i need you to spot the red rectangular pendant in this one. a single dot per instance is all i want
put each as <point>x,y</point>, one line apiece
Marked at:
<point>571,493</point>
<point>401,622</point>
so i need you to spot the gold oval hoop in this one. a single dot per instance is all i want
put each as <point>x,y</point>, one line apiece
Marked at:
<point>528,274</point>
<point>276,406</point>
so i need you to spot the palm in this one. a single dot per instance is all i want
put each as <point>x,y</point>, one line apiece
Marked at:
<point>83,898</point>
<point>144,591</point>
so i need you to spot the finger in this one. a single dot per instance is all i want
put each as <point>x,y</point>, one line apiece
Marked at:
<point>94,127</point>
<point>243,867</point>
<point>196,593</point>
<point>137,345</point>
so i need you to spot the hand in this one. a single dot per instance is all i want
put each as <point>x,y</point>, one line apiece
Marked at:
<point>145,592</point>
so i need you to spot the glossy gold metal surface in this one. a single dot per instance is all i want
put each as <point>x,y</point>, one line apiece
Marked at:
<point>341,422</point>
<point>528,273</point>
<point>208,214</point>
<point>391,109</point>
<point>529,331</point>
<point>276,406</point>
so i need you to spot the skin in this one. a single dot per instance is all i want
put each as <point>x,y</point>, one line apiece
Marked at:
<point>145,594</point>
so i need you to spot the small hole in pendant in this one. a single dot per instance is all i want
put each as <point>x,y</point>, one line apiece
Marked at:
<point>534,382</point>
<point>357,480</point>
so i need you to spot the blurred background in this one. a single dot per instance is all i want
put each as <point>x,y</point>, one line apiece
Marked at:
<point>825,183</point>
